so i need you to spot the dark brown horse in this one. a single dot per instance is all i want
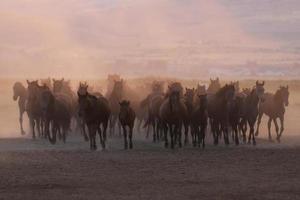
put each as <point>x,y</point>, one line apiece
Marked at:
<point>199,121</point>
<point>273,106</point>
<point>57,115</point>
<point>189,103</point>
<point>20,94</point>
<point>172,113</point>
<point>114,100</point>
<point>251,109</point>
<point>33,106</point>
<point>127,118</point>
<point>95,112</point>
<point>218,110</point>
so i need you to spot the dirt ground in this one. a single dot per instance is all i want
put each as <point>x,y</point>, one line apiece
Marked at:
<point>149,171</point>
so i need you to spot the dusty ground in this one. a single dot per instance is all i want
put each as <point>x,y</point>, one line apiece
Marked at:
<point>42,171</point>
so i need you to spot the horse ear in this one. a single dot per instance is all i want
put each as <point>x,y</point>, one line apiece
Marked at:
<point>256,83</point>
<point>28,82</point>
<point>287,87</point>
<point>53,80</point>
<point>62,79</point>
<point>263,83</point>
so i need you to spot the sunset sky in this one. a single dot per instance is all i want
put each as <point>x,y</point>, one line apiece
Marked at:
<point>192,38</point>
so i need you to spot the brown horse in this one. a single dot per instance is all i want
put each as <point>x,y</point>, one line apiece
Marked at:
<point>172,113</point>
<point>33,106</point>
<point>20,92</point>
<point>152,103</point>
<point>127,118</point>
<point>273,105</point>
<point>57,114</point>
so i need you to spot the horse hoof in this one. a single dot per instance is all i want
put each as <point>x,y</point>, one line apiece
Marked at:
<point>254,143</point>
<point>23,133</point>
<point>256,134</point>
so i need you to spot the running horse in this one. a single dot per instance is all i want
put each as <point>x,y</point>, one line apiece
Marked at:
<point>20,94</point>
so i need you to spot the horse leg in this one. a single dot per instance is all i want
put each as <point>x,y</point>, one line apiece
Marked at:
<point>85,135</point>
<point>101,137</point>
<point>21,123</point>
<point>269,128</point>
<point>154,130</point>
<point>125,137</point>
<point>32,123</point>
<point>186,132</point>
<point>258,123</point>
<point>130,137</point>
<point>281,127</point>
<point>165,129</point>
<point>171,135</point>
<point>276,128</point>
<point>252,133</point>
<point>236,135</point>
<point>38,126</point>
<point>178,131</point>
<point>203,129</point>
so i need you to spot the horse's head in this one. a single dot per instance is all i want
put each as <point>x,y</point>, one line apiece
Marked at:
<point>214,85</point>
<point>33,89</point>
<point>58,85</point>
<point>83,89</point>
<point>84,103</point>
<point>124,108</point>
<point>17,90</point>
<point>259,88</point>
<point>284,91</point>
<point>174,99</point>
<point>189,93</point>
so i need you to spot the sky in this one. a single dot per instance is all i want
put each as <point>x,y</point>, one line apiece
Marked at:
<point>188,38</point>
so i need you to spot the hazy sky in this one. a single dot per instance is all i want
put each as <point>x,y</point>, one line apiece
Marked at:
<point>90,38</point>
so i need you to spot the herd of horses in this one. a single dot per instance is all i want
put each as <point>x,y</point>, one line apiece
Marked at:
<point>170,113</point>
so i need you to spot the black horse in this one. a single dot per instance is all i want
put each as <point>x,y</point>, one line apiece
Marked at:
<point>95,112</point>
<point>218,111</point>
<point>127,117</point>
<point>199,119</point>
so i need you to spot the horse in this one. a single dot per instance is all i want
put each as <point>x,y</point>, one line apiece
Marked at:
<point>189,103</point>
<point>172,113</point>
<point>95,112</point>
<point>47,82</point>
<point>235,113</point>
<point>214,86</point>
<point>33,106</point>
<point>251,109</point>
<point>127,117</point>
<point>114,100</point>
<point>152,103</point>
<point>273,105</point>
<point>57,113</point>
<point>218,110</point>
<point>199,121</point>
<point>20,92</point>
